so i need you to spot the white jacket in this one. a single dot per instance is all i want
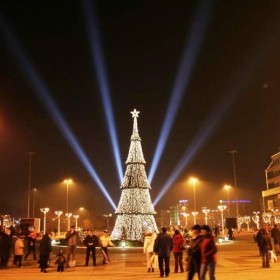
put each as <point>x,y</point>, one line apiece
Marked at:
<point>149,244</point>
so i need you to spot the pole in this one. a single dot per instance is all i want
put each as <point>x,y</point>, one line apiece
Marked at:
<point>34,190</point>
<point>235,186</point>
<point>29,182</point>
<point>67,184</point>
<point>194,196</point>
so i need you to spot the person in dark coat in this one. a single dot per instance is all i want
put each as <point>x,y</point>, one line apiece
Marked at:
<point>194,255</point>
<point>177,251</point>
<point>162,247</point>
<point>45,249</point>
<point>275,234</point>
<point>31,242</point>
<point>91,241</point>
<point>265,247</point>
<point>5,247</point>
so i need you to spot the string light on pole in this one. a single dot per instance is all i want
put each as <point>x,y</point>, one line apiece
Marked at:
<point>58,213</point>
<point>206,211</point>
<point>222,208</point>
<point>76,220</point>
<point>45,211</point>
<point>68,215</point>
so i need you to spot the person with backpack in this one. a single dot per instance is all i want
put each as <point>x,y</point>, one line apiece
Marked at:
<point>91,241</point>
<point>265,247</point>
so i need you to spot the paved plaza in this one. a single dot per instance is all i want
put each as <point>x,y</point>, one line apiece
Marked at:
<point>237,260</point>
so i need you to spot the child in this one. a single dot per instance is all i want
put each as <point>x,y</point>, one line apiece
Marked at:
<point>18,252</point>
<point>60,261</point>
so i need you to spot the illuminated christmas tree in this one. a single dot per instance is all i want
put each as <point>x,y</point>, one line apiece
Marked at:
<point>135,210</point>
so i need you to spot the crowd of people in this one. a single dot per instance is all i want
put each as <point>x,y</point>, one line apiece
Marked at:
<point>201,252</point>
<point>13,243</point>
<point>266,237</point>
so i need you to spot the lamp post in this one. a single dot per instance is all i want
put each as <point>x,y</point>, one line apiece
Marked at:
<point>194,217</point>
<point>227,187</point>
<point>193,181</point>
<point>58,213</point>
<point>76,220</point>
<point>45,211</point>
<point>68,215</point>
<point>256,218</point>
<point>67,182</point>
<point>34,191</point>
<point>107,216</point>
<point>235,186</point>
<point>206,211</point>
<point>29,182</point>
<point>222,208</point>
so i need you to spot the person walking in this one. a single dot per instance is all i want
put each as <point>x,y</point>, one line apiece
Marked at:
<point>265,247</point>
<point>72,238</point>
<point>91,241</point>
<point>31,239</point>
<point>208,250</point>
<point>19,245</point>
<point>178,251</point>
<point>194,254</point>
<point>163,247</point>
<point>149,249</point>
<point>5,247</point>
<point>45,249</point>
<point>105,242</point>
<point>275,234</point>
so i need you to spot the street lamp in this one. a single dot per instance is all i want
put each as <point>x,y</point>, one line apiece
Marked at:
<point>235,185</point>
<point>58,213</point>
<point>107,216</point>
<point>256,219</point>
<point>76,220</point>
<point>67,182</point>
<point>29,182</point>
<point>193,181</point>
<point>206,211</point>
<point>194,217</point>
<point>68,215</point>
<point>45,211</point>
<point>34,191</point>
<point>227,187</point>
<point>222,208</point>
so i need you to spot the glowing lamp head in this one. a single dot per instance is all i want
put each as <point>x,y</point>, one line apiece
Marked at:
<point>193,180</point>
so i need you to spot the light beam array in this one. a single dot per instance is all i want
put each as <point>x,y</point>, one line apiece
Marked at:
<point>197,33</point>
<point>43,95</point>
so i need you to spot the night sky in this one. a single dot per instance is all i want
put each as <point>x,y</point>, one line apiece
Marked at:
<point>237,63</point>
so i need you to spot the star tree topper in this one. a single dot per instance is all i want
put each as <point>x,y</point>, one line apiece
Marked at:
<point>135,113</point>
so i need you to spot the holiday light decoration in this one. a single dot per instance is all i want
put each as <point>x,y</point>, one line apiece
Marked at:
<point>135,210</point>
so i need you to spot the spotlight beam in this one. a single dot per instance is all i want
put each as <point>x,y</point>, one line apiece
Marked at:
<point>229,98</point>
<point>98,60</point>
<point>43,95</point>
<point>199,24</point>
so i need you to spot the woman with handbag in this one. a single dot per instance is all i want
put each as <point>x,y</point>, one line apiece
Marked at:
<point>179,244</point>
<point>149,250</point>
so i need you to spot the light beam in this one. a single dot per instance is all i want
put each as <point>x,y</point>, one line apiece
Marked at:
<point>43,95</point>
<point>198,27</point>
<point>98,60</point>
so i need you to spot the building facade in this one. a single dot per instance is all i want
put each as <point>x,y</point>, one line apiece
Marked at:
<point>271,196</point>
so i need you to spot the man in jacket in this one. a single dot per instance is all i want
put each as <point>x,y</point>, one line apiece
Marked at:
<point>275,234</point>
<point>91,241</point>
<point>163,247</point>
<point>72,238</point>
<point>45,249</point>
